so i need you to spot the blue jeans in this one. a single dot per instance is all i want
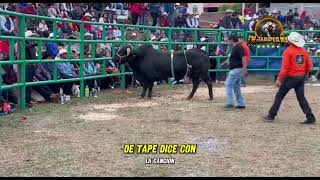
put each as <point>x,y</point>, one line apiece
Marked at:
<point>243,80</point>
<point>233,86</point>
<point>115,5</point>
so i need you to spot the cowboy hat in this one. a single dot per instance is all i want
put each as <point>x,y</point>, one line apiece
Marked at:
<point>164,13</point>
<point>107,8</point>
<point>229,11</point>
<point>87,15</point>
<point>31,34</point>
<point>153,38</point>
<point>62,51</point>
<point>114,10</point>
<point>247,17</point>
<point>202,39</point>
<point>177,4</point>
<point>88,34</point>
<point>296,39</point>
<point>255,16</point>
<point>196,16</point>
<point>275,11</point>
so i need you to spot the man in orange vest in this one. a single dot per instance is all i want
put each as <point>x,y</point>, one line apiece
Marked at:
<point>296,65</point>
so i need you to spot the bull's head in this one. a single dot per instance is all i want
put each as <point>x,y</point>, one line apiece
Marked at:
<point>123,55</point>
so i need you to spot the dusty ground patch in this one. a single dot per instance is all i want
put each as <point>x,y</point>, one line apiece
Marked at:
<point>86,139</point>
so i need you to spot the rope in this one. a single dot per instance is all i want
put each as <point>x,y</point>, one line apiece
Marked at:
<point>188,65</point>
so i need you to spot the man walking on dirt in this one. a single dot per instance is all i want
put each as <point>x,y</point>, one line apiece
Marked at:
<point>238,69</point>
<point>296,65</point>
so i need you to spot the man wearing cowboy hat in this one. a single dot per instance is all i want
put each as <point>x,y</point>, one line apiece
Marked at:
<point>296,65</point>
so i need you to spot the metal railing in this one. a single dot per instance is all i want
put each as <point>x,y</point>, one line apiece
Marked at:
<point>22,62</point>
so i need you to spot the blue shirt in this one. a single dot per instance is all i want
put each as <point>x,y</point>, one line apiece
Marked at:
<point>66,69</point>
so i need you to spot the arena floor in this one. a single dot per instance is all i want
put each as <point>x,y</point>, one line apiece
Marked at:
<point>86,139</point>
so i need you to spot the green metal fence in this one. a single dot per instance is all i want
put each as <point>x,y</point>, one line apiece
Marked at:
<point>22,62</point>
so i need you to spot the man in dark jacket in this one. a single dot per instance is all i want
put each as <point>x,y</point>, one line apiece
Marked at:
<point>169,8</point>
<point>155,11</point>
<point>77,13</point>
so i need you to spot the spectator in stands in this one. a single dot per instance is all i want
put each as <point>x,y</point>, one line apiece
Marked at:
<point>6,26</point>
<point>177,10</point>
<point>77,13</point>
<point>42,10</point>
<point>53,10</point>
<point>180,21</point>
<point>65,29</point>
<point>296,13</point>
<point>66,71</point>
<point>50,69</point>
<point>135,12</point>
<point>192,22</point>
<point>143,18</point>
<point>169,8</point>
<point>31,54</point>
<point>226,20</point>
<point>116,5</point>
<point>52,47</point>
<point>235,21</point>
<point>289,18</point>
<point>88,27</point>
<point>64,12</point>
<point>43,29</point>
<point>154,9</point>
<point>8,75</point>
<point>253,22</point>
<point>248,10</point>
<point>275,13</point>
<point>104,19</point>
<point>247,20</point>
<point>94,13</point>
<point>41,74</point>
<point>90,69</point>
<point>32,23</point>
<point>281,18</point>
<point>164,20</point>
<point>184,10</point>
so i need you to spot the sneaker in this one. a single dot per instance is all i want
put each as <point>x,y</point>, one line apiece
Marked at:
<point>240,107</point>
<point>228,106</point>
<point>269,119</point>
<point>308,122</point>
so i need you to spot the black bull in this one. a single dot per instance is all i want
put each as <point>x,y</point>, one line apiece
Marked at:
<point>150,65</point>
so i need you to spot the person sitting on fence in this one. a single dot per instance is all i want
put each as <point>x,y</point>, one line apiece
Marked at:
<point>66,71</point>
<point>7,26</point>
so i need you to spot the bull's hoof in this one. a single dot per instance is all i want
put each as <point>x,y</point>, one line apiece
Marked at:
<point>188,98</point>
<point>141,97</point>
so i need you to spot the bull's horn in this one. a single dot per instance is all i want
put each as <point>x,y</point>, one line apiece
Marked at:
<point>128,51</point>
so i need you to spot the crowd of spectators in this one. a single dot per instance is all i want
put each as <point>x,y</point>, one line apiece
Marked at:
<point>152,14</point>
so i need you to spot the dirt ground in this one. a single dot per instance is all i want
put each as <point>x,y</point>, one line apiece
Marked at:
<point>86,138</point>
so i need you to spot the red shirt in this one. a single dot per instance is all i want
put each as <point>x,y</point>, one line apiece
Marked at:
<point>164,22</point>
<point>246,50</point>
<point>87,26</point>
<point>247,11</point>
<point>135,8</point>
<point>296,62</point>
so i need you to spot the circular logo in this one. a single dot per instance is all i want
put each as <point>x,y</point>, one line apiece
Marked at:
<point>269,27</point>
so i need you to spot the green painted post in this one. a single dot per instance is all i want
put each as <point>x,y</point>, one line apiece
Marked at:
<point>82,61</point>
<point>23,65</point>
<point>123,77</point>
<point>103,32</point>
<point>170,39</point>
<point>69,50</point>
<point>40,50</point>
<point>11,54</point>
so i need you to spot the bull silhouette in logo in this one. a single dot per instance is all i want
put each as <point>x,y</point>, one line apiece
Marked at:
<point>269,29</point>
